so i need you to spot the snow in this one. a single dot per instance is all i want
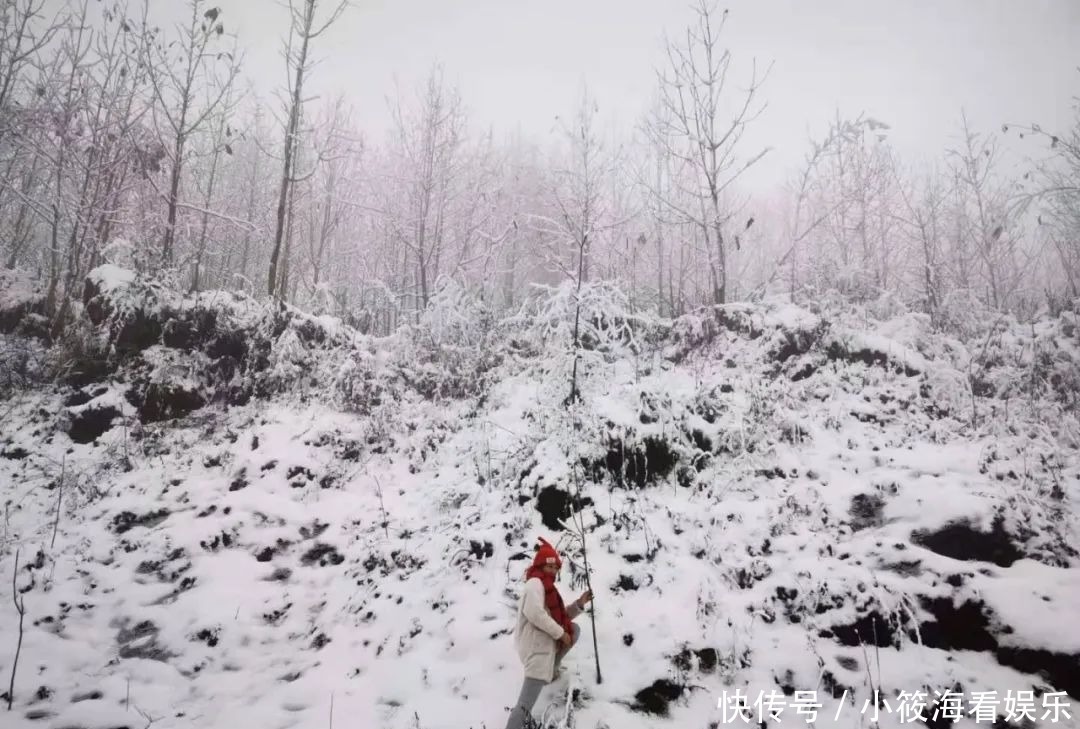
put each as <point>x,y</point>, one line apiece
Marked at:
<point>789,316</point>
<point>17,288</point>
<point>894,351</point>
<point>1038,602</point>
<point>315,550</point>
<point>109,277</point>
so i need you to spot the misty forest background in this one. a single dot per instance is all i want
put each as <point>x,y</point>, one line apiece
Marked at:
<point>125,142</point>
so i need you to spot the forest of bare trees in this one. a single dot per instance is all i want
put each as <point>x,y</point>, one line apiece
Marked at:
<point>127,142</point>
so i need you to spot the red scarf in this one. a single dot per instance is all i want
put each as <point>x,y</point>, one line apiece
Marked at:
<point>552,598</point>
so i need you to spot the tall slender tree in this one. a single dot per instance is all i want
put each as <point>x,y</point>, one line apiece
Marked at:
<point>694,128</point>
<point>191,75</point>
<point>304,28</point>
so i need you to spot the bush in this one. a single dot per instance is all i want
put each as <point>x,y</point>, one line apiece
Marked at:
<point>23,364</point>
<point>451,350</point>
<point>22,305</point>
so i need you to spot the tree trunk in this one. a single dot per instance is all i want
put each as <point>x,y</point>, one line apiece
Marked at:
<point>174,194</point>
<point>290,141</point>
<point>201,249</point>
<point>721,259</point>
<point>574,393</point>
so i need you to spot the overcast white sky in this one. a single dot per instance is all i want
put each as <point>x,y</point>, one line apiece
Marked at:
<point>910,63</point>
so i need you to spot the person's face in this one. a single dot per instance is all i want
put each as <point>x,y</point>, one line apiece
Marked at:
<point>551,569</point>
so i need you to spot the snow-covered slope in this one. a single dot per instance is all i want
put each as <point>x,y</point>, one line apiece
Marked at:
<point>335,530</point>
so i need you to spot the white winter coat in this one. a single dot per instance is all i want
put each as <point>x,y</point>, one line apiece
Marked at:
<point>537,632</point>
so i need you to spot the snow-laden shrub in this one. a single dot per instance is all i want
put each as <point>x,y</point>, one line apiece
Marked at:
<point>688,332</point>
<point>366,380</point>
<point>451,349</point>
<point>857,283</point>
<point>448,353</point>
<point>288,359</point>
<point>962,314</point>
<point>22,304</point>
<point>839,283</point>
<point>887,305</point>
<point>128,310</point>
<point>246,347</point>
<point>947,392</point>
<point>23,363</point>
<point>81,354</point>
<point>121,253</point>
<point>1058,303</point>
<point>454,318</point>
<point>916,332</point>
<point>1038,359</point>
<point>288,351</point>
<point>606,321</point>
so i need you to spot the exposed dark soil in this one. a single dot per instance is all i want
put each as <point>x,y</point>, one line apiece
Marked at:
<point>870,357</point>
<point>793,343</point>
<point>159,402</point>
<point>964,627</point>
<point>141,641</point>
<point>126,520</point>
<point>323,554</point>
<point>655,699</point>
<point>960,540</point>
<point>88,425</point>
<point>706,659</point>
<point>555,504</point>
<point>635,466</point>
<point>866,511</point>
<point>870,629</point>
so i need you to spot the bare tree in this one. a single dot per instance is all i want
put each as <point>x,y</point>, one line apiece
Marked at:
<point>924,220</point>
<point>697,130</point>
<point>1055,190</point>
<point>75,50</point>
<point>220,144</point>
<point>853,189</point>
<point>24,32</point>
<point>580,210</point>
<point>250,202</point>
<point>326,215</point>
<point>806,216</point>
<point>98,147</point>
<point>190,81</point>
<point>659,236</point>
<point>987,224</point>
<point>430,147</point>
<point>522,181</point>
<point>303,29</point>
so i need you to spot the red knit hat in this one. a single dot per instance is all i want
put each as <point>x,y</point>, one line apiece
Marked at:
<point>546,554</point>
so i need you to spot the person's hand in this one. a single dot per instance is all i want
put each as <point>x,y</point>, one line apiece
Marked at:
<point>565,640</point>
<point>585,599</point>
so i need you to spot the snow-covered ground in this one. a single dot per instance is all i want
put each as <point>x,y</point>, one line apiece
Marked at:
<point>774,502</point>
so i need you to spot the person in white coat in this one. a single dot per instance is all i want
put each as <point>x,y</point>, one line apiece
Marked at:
<point>545,630</point>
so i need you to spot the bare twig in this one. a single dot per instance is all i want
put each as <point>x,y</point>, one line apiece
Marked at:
<point>149,719</point>
<point>971,375</point>
<point>382,508</point>
<point>59,501</point>
<point>20,607</point>
<point>866,660</point>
